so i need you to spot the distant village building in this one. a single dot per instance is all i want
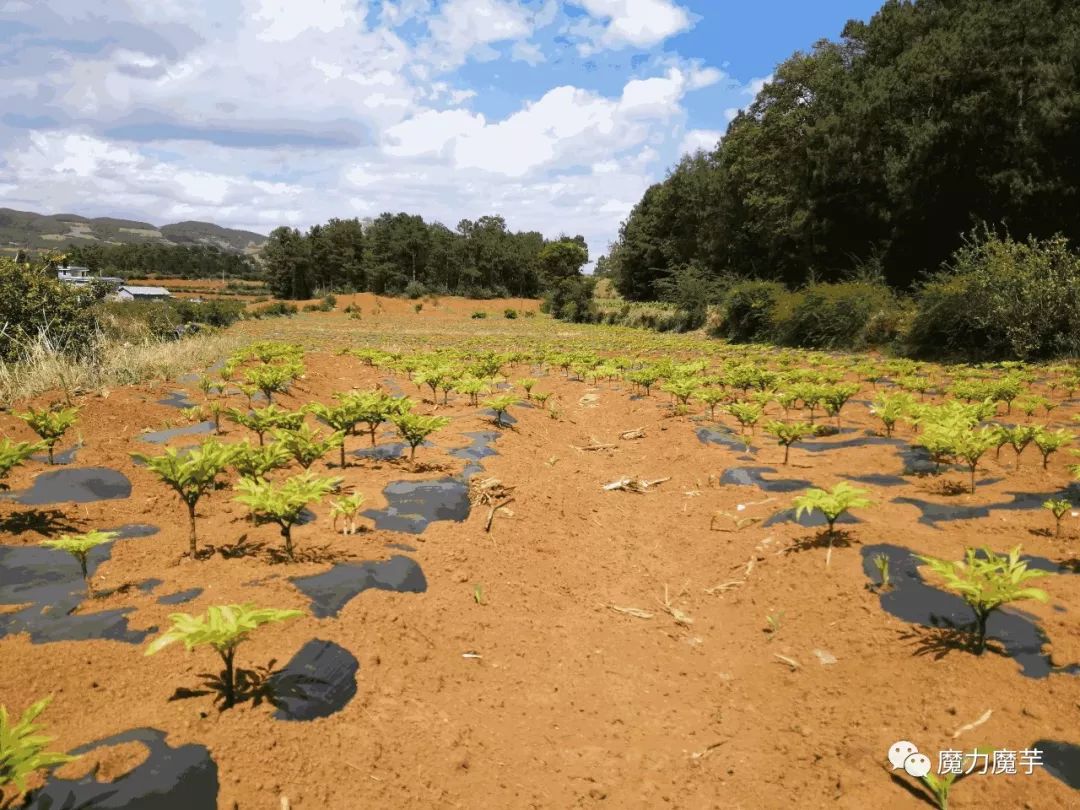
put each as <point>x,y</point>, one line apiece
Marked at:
<point>128,292</point>
<point>81,275</point>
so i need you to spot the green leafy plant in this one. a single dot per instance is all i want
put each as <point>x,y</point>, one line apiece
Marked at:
<point>283,503</point>
<point>374,407</point>
<point>347,508</point>
<point>50,424</point>
<point>527,384</point>
<point>13,454</point>
<point>190,474</point>
<point>682,388</point>
<point>955,438</point>
<point>832,504</point>
<point>987,581</point>
<point>306,445</point>
<point>341,418</point>
<point>712,397</point>
<point>1050,441</point>
<point>22,748</point>
<point>414,428</point>
<point>273,379</point>
<point>836,396</point>
<point>500,404</point>
<point>746,414</point>
<point>223,627</point>
<point>262,420</point>
<point>1020,437</point>
<point>890,408</point>
<point>473,387</point>
<point>881,565</point>
<point>787,433</point>
<point>79,546</point>
<point>1058,507</point>
<point>773,622</point>
<point>252,461</point>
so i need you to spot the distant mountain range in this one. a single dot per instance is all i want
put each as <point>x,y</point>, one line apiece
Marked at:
<point>25,229</point>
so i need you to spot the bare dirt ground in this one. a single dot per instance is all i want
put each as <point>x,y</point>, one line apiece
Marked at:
<point>547,692</point>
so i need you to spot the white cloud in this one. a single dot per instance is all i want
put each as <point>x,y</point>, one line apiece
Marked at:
<point>527,52</point>
<point>697,139</point>
<point>257,113</point>
<point>621,23</point>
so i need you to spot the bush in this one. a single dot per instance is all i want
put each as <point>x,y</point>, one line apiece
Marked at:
<point>836,316</point>
<point>414,290</point>
<point>509,313</point>
<point>749,309</point>
<point>479,315</point>
<point>274,309</point>
<point>33,303</point>
<point>1001,299</point>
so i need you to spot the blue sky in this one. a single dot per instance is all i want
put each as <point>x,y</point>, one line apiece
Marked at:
<point>257,113</point>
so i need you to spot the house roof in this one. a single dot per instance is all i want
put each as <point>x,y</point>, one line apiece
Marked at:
<point>144,290</point>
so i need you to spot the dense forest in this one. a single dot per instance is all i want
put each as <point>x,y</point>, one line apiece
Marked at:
<point>149,260</point>
<point>873,156</point>
<point>403,254</point>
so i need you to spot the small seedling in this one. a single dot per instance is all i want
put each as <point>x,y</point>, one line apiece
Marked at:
<point>79,546</point>
<point>414,428</point>
<point>13,454</point>
<point>22,749</point>
<point>1020,437</point>
<point>986,582</point>
<point>1058,508</point>
<point>746,413</point>
<point>341,418</point>
<point>284,503</point>
<point>500,404</point>
<point>832,504</point>
<point>890,408</point>
<point>478,594</point>
<point>191,475</point>
<point>1050,441</point>
<point>787,434</point>
<point>223,627</point>
<point>273,379</point>
<point>772,623</point>
<point>347,508</point>
<point>527,384</point>
<point>881,565</point>
<point>50,424</point>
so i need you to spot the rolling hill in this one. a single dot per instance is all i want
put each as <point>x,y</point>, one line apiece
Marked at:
<point>20,229</point>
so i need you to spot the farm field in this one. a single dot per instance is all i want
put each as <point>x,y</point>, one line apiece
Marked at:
<point>608,602</point>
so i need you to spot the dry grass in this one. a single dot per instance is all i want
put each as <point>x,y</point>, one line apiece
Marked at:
<point>43,369</point>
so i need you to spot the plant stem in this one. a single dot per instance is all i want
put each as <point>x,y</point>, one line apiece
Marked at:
<point>191,524</point>
<point>229,679</point>
<point>286,532</point>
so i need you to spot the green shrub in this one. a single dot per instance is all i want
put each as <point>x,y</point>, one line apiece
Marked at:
<point>479,315</point>
<point>510,313</point>
<point>999,299</point>
<point>749,309</point>
<point>274,309</point>
<point>833,316</point>
<point>414,290</point>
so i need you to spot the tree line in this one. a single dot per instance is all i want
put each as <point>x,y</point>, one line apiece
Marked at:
<point>402,254</point>
<point>873,155</point>
<point>142,260</point>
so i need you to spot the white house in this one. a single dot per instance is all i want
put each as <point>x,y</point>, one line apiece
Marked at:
<point>81,275</point>
<point>128,292</point>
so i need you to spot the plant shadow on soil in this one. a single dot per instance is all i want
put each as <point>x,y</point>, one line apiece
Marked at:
<point>317,682</point>
<point>945,621</point>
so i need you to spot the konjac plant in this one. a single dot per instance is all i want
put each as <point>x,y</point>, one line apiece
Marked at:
<point>414,428</point>
<point>987,581</point>
<point>307,446</point>
<point>13,454</point>
<point>262,420</point>
<point>283,503</point>
<point>223,627</point>
<point>79,546</point>
<point>50,424</point>
<point>347,508</point>
<point>1050,441</point>
<point>832,504</point>
<point>258,461</point>
<point>1058,507</point>
<point>23,750</point>
<point>787,433</point>
<point>341,418</point>
<point>500,404</point>
<point>190,474</point>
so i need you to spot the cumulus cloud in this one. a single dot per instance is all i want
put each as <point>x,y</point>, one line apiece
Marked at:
<point>620,23</point>
<point>700,139</point>
<point>257,113</point>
